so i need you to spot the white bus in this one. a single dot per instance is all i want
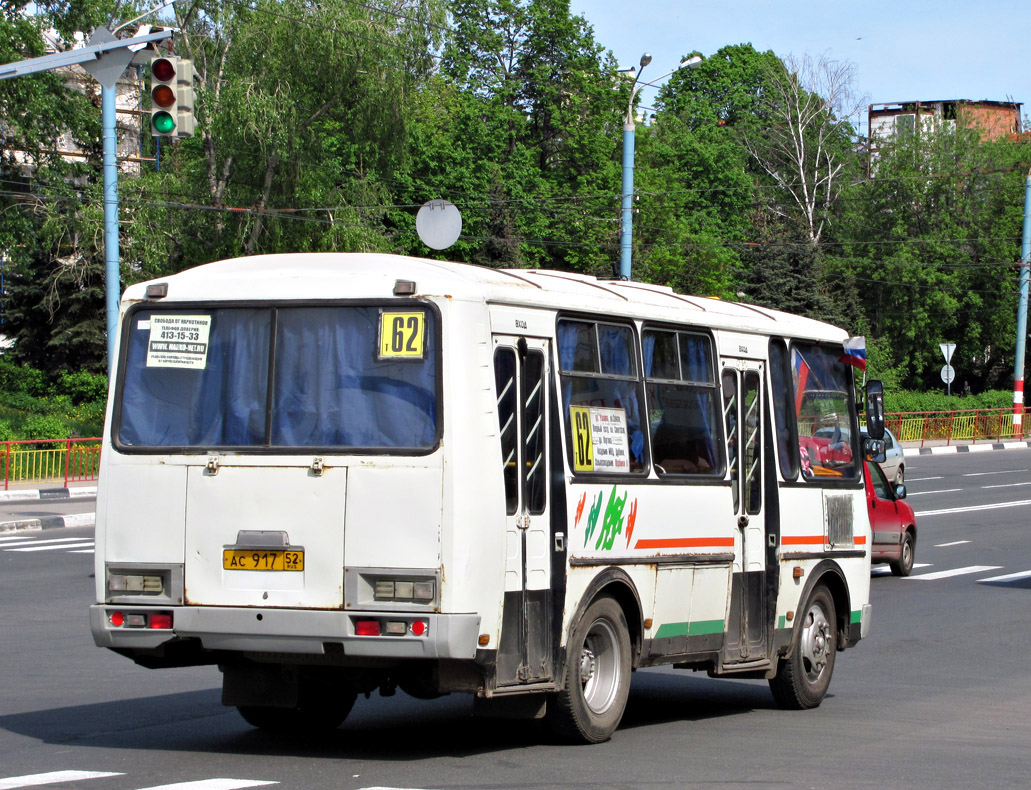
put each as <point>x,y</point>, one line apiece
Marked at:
<point>329,474</point>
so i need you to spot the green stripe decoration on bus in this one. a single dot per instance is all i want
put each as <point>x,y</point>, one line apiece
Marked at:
<point>697,628</point>
<point>857,617</point>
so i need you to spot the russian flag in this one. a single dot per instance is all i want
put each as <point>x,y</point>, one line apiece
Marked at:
<point>855,352</point>
<point>801,375</point>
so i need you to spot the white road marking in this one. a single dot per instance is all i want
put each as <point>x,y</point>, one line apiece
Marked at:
<point>1008,577</point>
<point>15,538</point>
<point>62,547</point>
<point>954,543</point>
<point>922,479</point>
<point>972,509</point>
<point>884,570</point>
<point>930,577</point>
<point>1004,472</point>
<point>1007,485</point>
<point>212,784</point>
<point>37,542</point>
<point>53,777</point>
<point>82,551</point>
<point>924,493</point>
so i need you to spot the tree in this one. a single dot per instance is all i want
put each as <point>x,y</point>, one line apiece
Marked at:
<point>932,238</point>
<point>807,143</point>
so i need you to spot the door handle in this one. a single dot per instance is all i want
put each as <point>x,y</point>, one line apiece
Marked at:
<point>742,522</point>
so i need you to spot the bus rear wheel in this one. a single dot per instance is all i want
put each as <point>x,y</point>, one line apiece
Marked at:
<point>804,675</point>
<point>597,679</point>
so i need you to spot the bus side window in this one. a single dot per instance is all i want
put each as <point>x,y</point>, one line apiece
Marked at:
<point>600,380</point>
<point>681,403</point>
<point>784,416</point>
<point>508,428</point>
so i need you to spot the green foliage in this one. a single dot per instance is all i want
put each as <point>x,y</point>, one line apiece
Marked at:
<point>64,404</point>
<point>905,401</point>
<point>44,426</point>
<point>325,126</point>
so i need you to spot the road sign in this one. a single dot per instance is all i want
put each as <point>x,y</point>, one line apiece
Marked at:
<point>948,374</point>
<point>947,350</point>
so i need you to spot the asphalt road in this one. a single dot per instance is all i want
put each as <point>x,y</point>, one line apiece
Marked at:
<point>938,695</point>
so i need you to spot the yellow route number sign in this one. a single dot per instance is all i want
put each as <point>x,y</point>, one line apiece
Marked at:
<point>583,444</point>
<point>402,335</point>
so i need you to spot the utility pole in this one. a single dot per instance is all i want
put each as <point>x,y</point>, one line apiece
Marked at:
<point>1025,272</point>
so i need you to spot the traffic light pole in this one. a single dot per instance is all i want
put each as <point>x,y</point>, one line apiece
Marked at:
<point>1025,266</point>
<point>111,268</point>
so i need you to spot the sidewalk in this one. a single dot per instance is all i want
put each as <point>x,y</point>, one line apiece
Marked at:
<point>946,447</point>
<point>28,493</point>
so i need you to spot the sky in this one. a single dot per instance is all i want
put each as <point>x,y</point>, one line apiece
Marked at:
<point>902,50</point>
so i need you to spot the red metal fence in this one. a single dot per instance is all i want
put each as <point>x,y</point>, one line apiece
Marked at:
<point>974,425</point>
<point>49,460</point>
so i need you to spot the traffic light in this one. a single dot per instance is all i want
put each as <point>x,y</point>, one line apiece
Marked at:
<point>164,96</point>
<point>171,97</point>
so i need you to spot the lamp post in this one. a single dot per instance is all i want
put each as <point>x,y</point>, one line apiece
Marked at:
<point>626,232</point>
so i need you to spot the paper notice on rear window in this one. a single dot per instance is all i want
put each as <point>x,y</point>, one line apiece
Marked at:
<point>178,341</point>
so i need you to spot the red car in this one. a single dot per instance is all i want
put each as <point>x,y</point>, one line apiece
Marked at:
<point>892,520</point>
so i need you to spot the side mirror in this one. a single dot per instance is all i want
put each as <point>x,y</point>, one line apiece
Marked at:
<point>900,491</point>
<point>875,410</point>
<point>873,449</point>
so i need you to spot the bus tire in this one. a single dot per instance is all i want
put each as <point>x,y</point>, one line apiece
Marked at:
<point>597,681</point>
<point>804,675</point>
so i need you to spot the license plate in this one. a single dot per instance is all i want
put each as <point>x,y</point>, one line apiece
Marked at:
<point>263,560</point>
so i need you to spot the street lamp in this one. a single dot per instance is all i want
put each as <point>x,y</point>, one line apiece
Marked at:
<point>626,235</point>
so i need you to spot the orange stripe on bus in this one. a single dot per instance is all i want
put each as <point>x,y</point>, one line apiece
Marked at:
<point>858,540</point>
<point>681,543</point>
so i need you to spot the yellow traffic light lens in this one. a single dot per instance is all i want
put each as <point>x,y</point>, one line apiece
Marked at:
<point>163,122</point>
<point>162,96</point>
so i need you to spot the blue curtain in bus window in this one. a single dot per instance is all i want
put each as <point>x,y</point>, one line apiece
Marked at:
<point>332,390</point>
<point>683,415</point>
<point>220,402</point>
<point>577,347</point>
<point>615,344</point>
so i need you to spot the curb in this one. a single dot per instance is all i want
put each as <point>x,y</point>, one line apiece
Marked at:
<point>47,494</point>
<point>49,522</point>
<point>965,448</point>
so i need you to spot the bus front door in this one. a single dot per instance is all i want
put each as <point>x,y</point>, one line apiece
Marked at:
<point>746,639</point>
<point>521,376</point>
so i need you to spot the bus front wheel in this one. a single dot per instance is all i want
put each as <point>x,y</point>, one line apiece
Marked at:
<point>589,708</point>
<point>804,675</point>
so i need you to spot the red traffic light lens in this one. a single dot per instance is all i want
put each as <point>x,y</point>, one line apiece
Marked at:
<point>163,96</point>
<point>163,69</point>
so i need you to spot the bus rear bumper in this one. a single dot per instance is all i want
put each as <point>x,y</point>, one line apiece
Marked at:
<point>288,631</point>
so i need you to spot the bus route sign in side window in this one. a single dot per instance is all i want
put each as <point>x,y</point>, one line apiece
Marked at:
<point>200,379</point>
<point>602,397</point>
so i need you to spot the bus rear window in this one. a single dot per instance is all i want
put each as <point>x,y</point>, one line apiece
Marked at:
<point>360,378</point>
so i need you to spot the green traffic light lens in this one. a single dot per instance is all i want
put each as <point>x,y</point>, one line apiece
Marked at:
<point>163,122</point>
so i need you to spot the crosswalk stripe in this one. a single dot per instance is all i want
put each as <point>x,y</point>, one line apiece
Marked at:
<point>53,777</point>
<point>82,551</point>
<point>954,543</point>
<point>929,577</point>
<point>62,547</point>
<point>39,542</point>
<point>15,538</point>
<point>212,784</point>
<point>885,571</point>
<point>1009,577</point>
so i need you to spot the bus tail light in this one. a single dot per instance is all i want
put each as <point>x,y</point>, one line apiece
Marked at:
<point>160,620</point>
<point>366,628</point>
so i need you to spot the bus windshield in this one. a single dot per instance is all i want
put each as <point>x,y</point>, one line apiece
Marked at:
<point>360,378</point>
